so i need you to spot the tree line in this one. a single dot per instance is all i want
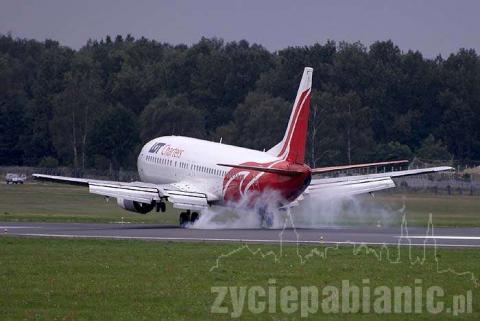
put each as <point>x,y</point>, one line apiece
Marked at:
<point>95,107</point>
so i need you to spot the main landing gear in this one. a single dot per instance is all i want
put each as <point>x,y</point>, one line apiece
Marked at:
<point>161,207</point>
<point>266,218</point>
<point>188,218</point>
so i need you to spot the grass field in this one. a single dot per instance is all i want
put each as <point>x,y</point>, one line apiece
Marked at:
<point>53,279</point>
<point>58,279</point>
<point>456,210</point>
<point>64,203</point>
<point>48,202</point>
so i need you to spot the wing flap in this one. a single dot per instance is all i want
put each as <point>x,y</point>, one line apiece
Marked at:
<point>187,200</point>
<point>142,195</point>
<point>347,188</point>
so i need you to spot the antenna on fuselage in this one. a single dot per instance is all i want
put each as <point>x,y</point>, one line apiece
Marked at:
<point>221,138</point>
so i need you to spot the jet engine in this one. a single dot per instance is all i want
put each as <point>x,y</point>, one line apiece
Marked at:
<point>134,206</point>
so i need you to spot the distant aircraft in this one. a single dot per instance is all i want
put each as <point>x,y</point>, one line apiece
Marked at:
<point>194,174</point>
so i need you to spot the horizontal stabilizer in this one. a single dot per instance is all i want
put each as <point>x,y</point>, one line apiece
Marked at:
<point>285,172</point>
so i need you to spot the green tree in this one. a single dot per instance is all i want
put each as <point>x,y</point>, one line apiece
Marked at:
<point>364,98</point>
<point>322,139</point>
<point>114,136</point>
<point>259,122</point>
<point>392,151</point>
<point>75,110</point>
<point>171,116</point>
<point>433,149</point>
<point>339,129</point>
<point>13,103</point>
<point>460,100</point>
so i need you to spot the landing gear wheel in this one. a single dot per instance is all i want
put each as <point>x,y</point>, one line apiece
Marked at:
<point>184,219</point>
<point>267,221</point>
<point>266,218</point>
<point>161,207</point>
<point>194,217</point>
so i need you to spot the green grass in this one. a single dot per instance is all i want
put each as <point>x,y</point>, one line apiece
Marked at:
<point>457,210</point>
<point>52,279</point>
<point>389,208</point>
<point>48,202</point>
<point>65,203</point>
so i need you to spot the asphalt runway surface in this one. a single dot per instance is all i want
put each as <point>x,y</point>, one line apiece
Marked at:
<point>415,236</point>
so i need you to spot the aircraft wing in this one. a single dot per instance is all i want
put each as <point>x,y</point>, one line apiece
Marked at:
<point>360,184</point>
<point>321,170</point>
<point>183,195</point>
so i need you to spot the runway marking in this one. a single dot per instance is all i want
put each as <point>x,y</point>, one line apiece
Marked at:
<point>18,227</point>
<point>441,237</point>
<point>155,238</point>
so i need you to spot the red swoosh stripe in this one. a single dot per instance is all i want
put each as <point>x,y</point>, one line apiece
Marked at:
<point>294,119</point>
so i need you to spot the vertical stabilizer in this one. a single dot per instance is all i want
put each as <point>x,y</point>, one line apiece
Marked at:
<point>292,146</point>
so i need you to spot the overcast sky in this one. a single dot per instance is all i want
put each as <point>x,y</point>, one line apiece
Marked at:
<point>433,27</point>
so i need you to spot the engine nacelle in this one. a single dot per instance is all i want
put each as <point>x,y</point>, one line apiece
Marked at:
<point>133,206</point>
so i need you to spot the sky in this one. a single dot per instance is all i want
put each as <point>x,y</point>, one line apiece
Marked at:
<point>431,26</point>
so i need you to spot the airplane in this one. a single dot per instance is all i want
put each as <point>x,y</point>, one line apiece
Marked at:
<point>195,174</point>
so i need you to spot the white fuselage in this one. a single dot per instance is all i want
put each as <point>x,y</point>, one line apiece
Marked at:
<point>178,159</point>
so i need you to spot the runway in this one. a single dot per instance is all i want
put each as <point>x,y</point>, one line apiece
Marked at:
<point>415,236</point>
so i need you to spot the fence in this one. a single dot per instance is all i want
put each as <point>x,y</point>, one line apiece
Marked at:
<point>463,182</point>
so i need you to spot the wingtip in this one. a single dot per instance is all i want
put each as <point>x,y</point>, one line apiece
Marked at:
<point>444,169</point>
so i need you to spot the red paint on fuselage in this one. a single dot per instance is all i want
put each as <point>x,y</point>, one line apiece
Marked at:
<point>240,184</point>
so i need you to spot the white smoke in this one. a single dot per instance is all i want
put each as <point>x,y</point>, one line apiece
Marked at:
<point>241,215</point>
<point>334,210</point>
<point>326,210</point>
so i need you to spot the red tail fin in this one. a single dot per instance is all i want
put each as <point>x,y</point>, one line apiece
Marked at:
<point>292,147</point>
